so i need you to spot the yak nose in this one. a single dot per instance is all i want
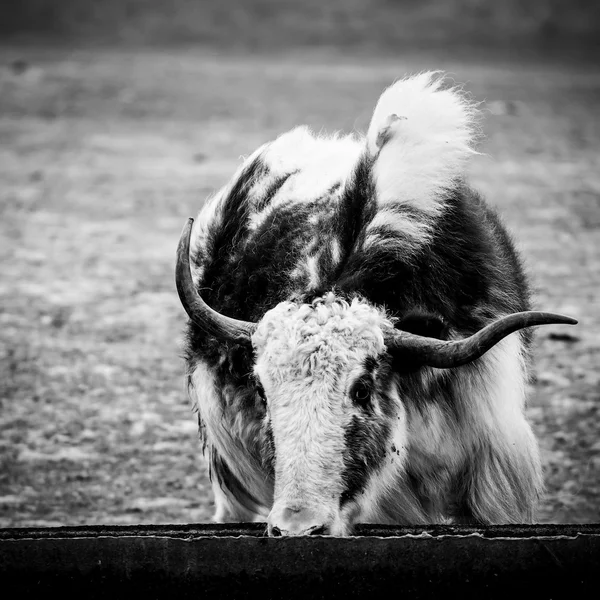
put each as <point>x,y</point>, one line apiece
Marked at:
<point>296,521</point>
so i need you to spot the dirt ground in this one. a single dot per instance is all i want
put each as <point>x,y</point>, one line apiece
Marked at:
<point>103,155</point>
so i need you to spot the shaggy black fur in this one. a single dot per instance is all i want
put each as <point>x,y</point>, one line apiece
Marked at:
<point>365,442</point>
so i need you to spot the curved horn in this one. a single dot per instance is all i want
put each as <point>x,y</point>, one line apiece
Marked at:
<point>447,354</point>
<point>200,313</point>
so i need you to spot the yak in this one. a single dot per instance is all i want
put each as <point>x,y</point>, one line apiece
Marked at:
<point>357,346</point>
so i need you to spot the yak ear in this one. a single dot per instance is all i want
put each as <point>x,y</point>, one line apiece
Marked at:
<point>421,133</point>
<point>424,324</point>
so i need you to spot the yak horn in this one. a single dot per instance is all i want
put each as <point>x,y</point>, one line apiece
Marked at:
<point>447,354</point>
<point>209,320</point>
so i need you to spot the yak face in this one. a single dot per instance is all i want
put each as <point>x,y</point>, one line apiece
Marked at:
<point>332,409</point>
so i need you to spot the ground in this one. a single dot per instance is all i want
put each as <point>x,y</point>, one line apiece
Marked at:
<point>105,153</point>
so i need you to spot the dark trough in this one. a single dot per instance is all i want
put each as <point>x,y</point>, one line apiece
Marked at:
<point>238,561</point>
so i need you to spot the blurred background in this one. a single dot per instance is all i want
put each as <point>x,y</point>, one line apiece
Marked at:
<point>268,24</point>
<point>119,117</point>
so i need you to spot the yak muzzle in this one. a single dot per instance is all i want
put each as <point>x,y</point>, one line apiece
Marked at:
<point>288,521</point>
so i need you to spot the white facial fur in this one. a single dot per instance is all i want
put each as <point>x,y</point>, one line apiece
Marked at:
<point>307,359</point>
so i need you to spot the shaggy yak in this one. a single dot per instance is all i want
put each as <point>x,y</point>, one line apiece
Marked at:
<point>356,348</point>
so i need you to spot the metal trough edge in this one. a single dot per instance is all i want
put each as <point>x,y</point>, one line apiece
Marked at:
<point>238,561</point>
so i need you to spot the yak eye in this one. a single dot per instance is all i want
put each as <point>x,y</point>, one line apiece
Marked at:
<point>361,393</point>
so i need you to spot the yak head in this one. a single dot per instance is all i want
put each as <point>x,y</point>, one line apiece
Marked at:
<point>332,407</point>
<point>330,374</point>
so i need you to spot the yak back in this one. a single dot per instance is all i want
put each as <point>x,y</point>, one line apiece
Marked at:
<point>265,248</point>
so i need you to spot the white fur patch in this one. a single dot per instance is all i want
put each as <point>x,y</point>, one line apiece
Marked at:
<point>312,271</point>
<point>415,229</point>
<point>320,161</point>
<point>422,153</point>
<point>336,251</point>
